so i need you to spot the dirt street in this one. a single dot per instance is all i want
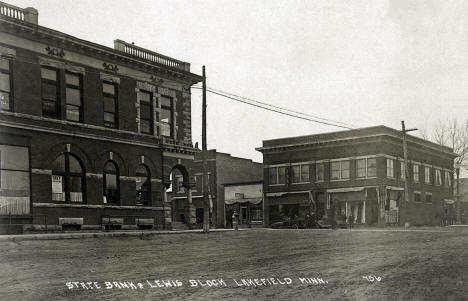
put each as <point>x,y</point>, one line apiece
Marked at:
<point>261,264</point>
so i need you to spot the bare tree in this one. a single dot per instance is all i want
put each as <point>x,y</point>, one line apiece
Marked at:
<point>455,135</point>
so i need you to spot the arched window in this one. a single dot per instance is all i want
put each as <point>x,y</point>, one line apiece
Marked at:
<point>111,183</point>
<point>67,179</point>
<point>143,186</point>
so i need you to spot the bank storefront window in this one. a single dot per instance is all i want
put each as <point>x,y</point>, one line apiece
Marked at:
<point>14,180</point>
<point>68,179</point>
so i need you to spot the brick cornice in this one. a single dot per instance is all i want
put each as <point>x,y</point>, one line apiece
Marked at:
<point>58,39</point>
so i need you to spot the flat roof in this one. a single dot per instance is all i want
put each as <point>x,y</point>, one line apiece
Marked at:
<point>344,135</point>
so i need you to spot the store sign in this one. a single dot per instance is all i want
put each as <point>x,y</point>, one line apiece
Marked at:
<point>57,184</point>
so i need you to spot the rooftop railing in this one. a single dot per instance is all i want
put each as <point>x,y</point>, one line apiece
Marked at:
<point>28,14</point>
<point>151,56</point>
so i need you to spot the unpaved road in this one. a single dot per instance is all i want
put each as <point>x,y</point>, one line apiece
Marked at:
<point>411,265</point>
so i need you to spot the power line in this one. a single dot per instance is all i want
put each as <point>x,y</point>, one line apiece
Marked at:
<point>276,107</point>
<point>265,107</point>
<point>274,110</point>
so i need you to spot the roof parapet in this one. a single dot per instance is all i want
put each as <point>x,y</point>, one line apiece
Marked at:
<point>149,55</point>
<point>28,14</point>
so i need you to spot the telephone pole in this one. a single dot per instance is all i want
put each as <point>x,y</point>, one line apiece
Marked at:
<point>206,205</point>
<point>457,197</point>
<point>405,156</point>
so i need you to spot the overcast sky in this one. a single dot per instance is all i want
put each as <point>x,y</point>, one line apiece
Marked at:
<point>362,62</point>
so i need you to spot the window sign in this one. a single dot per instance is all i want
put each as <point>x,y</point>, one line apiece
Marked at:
<point>67,179</point>
<point>57,188</point>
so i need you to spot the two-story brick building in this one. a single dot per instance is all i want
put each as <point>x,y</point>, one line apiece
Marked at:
<point>222,168</point>
<point>88,134</point>
<point>357,175</point>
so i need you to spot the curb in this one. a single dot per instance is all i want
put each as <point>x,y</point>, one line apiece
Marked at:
<point>58,236</point>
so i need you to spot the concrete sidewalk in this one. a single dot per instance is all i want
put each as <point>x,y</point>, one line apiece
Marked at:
<point>116,233</point>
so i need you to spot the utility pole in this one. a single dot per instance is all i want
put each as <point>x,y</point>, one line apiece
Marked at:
<point>405,156</point>
<point>206,205</point>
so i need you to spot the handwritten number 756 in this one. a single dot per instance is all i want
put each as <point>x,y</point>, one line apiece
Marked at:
<point>372,278</point>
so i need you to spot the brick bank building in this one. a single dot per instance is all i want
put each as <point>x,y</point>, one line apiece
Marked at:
<point>357,175</point>
<point>89,134</point>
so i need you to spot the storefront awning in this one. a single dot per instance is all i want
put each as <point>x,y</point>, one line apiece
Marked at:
<point>395,188</point>
<point>348,194</point>
<point>253,201</point>
<point>348,189</point>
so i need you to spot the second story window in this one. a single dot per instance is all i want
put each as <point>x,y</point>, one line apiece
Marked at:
<point>390,169</point>
<point>277,175</point>
<point>402,170</point>
<point>300,173</point>
<point>438,177</point>
<point>109,94</point>
<point>416,173</point>
<point>5,85</point>
<point>371,167</point>
<point>319,172</point>
<point>73,93</point>
<point>146,112</point>
<point>50,93</point>
<point>361,168</point>
<point>167,111</point>
<point>366,168</point>
<point>448,179</point>
<point>427,175</point>
<point>339,170</point>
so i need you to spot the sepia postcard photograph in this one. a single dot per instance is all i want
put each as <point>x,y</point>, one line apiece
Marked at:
<point>233,150</point>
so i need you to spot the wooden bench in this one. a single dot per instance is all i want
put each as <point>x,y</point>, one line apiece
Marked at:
<point>71,223</point>
<point>145,223</point>
<point>112,223</point>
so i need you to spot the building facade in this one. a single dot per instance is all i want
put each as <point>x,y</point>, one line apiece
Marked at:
<point>89,135</point>
<point>222,168</point>
<point>357,176</point>
<point>247,200</point>
<point>462,199</point>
